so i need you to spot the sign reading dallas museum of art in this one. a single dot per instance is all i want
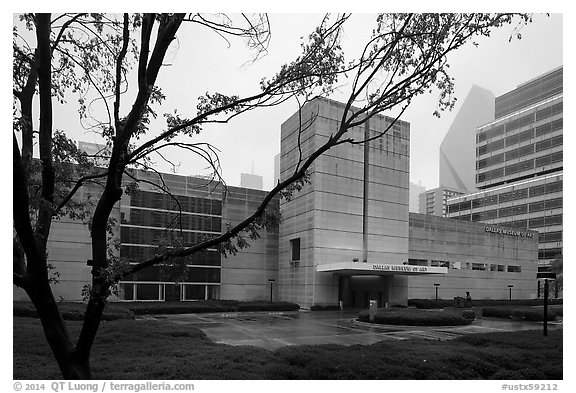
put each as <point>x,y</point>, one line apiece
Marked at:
<point>401,268</point>
<point>509,232</point>
<point>380,269</point>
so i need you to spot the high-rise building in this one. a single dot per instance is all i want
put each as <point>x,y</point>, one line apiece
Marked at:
<point>415,191</point>
<point>457,153</point>
<point>252,181</point>
<point>519,160</point>
<point>435,201</point>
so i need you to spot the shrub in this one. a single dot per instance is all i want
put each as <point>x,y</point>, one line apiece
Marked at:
<point>267,306</point>
<point>325,307</point>
<point>538,315</point>
<point>415,317</point>
<point>430,303</point>
<point>468,314</point>
<point>75,311</point>
<point>526,313</point>
<point>497,312</point>
<point>441,303</point>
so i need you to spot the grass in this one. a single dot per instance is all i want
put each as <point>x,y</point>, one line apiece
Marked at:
<point>142,349</point>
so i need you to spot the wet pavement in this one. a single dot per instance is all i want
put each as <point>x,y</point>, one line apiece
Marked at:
<point>272,330</point>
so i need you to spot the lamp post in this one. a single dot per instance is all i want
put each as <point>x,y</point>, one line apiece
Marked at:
<point>436,285</point>
<point>546,276</point>
<point>510,292</point>
<point>271,284</point>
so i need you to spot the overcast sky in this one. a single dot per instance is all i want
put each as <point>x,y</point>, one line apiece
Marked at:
<point>202,61</point>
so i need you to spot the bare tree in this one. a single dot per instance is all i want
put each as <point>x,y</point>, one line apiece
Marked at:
<point>405,57</point>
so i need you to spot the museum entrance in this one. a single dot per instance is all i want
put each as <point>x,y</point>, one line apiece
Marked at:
<point>357,291</point>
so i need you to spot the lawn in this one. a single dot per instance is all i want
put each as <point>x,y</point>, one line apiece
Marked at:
<point>143,349</point>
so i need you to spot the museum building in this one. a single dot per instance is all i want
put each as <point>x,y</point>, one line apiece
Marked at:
<point>347,236</point>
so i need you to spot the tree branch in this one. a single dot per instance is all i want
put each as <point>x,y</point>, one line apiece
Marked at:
<point>121,55</point>
<point>76,187</point>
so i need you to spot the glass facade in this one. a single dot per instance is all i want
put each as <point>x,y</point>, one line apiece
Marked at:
<point>536,204</point>
<point>530,93</point>
<point>150,220</point>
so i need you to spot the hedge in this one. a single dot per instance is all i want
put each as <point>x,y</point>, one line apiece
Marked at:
<point>207,306</point>
<point>415,317</point>
<point>526,313</point>
<point>75,311</point>
<point>325,307</point>
<point>441,303</point>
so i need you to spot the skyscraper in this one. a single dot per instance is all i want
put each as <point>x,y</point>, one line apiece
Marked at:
<point>415,191</point>
<point>457,151</point>
<point>519,160</point>
<point>248,180</point>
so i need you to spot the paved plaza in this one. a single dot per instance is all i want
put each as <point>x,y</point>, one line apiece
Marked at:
<point>274,330</point>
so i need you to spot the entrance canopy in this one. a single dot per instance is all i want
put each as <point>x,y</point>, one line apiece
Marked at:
<point>378,269</point>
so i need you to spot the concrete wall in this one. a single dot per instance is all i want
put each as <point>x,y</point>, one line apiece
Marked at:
<point>463,244</point>
<point>327,215</point>
<point>245,276</point>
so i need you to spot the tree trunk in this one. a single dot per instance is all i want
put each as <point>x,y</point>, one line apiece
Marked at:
<point>72,366</point>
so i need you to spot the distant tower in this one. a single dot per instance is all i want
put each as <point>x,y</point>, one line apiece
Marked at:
<point>458,149</point>
<point>415,191</point>
<point>248,180</point>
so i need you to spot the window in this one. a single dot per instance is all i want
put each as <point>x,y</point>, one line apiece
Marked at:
<point>514,269</point>
<point>295,248</point>
<point>418,262</point>
<point>440,263</point>
<point>478,266</point>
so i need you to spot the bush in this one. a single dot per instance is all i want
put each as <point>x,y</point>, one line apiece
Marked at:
<point>75,311</point>
<point>525,313</point>
<point>497,312</point>
<point>325,307</point>
<point>441,303</point>
<point>468,314</point>
<point>430,303</point>
<point>415,317</point>
<point>208,306</point>
<point>267,306</point>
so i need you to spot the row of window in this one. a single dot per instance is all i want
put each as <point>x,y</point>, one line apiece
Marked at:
<point>555,203</point>
<point>520,152</point>
<point>520,122</point>
<point>520,167</point>
<point>534,191</point>
<point>466,265</point>
<point>549,253</point>
<point>154,236</point>
<point>538,222</point>
<point>160,219</point>
<point>520,137</point>
<point>132,291</point>
<point>156,200</point>
<point>550,237</point>
<point>532,92</point>
<point>177,274</point>
<point>204,258</point>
